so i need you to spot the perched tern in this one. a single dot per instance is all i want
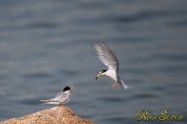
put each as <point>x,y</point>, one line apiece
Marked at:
<point>61,98</point>
<point>108,58</point>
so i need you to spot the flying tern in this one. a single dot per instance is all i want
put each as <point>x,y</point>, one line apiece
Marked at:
<point>109,59</point>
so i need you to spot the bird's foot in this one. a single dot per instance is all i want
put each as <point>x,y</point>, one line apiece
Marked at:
<point>114,85</point>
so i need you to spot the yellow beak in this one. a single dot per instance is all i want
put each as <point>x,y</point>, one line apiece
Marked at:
<point>98,75</point>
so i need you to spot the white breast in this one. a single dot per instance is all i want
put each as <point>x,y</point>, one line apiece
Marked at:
<point>112,74</point>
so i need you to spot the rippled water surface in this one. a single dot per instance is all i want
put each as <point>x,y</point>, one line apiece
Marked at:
<point>46,45</point>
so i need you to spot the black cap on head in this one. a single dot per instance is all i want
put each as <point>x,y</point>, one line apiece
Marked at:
<point>66,88</point>
<point>102,71</point>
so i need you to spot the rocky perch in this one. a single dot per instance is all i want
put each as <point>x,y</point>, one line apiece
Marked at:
<point>55,115</point>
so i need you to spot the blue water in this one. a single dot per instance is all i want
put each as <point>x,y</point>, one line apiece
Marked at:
<point>46,45</point>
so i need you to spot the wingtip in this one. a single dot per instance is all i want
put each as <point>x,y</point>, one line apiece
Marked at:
<point>98,43</point>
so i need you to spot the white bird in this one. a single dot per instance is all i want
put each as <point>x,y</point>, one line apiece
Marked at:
<point>61,98</point>
<point>108,58</point>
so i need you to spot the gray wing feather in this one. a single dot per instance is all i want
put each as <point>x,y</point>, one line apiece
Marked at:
<point>60,97</point>
<point>106,56</point>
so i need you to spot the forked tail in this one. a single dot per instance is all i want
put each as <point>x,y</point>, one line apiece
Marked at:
<point>123,85</point>
<point>45,101</point>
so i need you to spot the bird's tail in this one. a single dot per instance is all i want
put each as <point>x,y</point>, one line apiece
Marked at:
<point>49,101</point>
<point>45,101</point>
<point>123,85</point>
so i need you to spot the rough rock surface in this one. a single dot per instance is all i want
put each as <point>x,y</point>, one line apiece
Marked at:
<point>55,115</point>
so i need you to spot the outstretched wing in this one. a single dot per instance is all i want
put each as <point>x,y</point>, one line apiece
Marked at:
<point>106,56</point>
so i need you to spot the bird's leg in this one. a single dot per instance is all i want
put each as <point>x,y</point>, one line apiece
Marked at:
<point>114,85</point>
<point>60,104</point>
